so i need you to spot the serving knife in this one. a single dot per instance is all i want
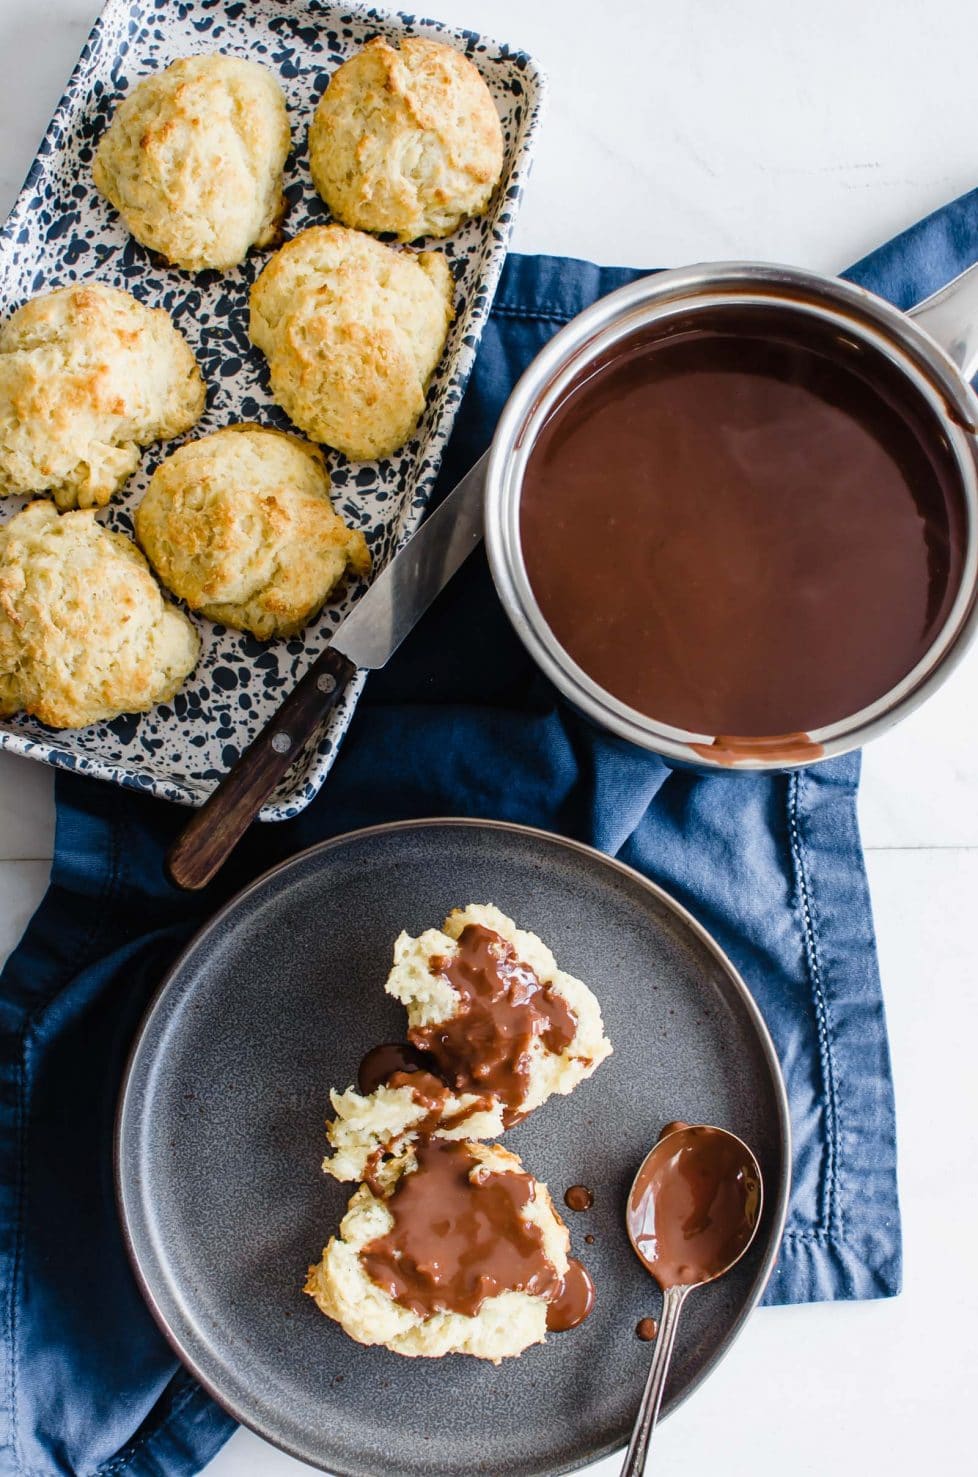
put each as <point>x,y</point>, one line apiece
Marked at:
<point>366,639</point>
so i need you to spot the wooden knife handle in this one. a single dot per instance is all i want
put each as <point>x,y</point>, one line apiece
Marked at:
<point>209,837</point>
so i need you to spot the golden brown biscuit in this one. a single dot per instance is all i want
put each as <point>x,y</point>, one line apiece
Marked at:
<point>193,160</point>
<point>407,141</point>
<point>84,632</point>
<point>87,377</point>
<point>239,524</point>
<point>352,330</point>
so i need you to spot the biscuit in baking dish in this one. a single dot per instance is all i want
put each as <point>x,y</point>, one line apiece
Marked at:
<point>406,140</point>
<point>239,524</point>
<point>509,1319</point>
<point>85,633</point>
<point>352,331</point>
<point>193,160</point>
<point>88,376</point>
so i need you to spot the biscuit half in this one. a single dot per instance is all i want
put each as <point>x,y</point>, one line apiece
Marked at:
<point>504,1325</point>
<point>419,981</point>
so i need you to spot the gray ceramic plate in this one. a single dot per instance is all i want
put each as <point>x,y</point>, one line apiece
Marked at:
<point>220,1139</point>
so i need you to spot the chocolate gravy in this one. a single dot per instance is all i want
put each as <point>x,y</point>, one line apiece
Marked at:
<point>502,1006</point>
<point>744,525</point>
<point>573,1300</point>
<point>459,1236</point>
<point>382,1062</point>
<point>431,1094</point>
<point>692,1210</point>
<point>578,1197</point>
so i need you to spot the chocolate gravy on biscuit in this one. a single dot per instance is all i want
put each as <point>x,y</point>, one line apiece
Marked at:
<point>382,1062</point>
<point>459,1236</point>
<point>501,1006</point>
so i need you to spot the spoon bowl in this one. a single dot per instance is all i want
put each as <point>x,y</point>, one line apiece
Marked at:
<point>694,1205</point>
<point>692,1212</point>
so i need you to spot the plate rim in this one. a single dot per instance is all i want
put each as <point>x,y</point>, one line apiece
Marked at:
<point>777,1197</point>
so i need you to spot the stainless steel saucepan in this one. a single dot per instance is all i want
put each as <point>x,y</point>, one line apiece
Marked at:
<point>935,348</point>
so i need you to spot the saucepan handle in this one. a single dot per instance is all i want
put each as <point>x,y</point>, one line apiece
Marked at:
<point>951,317</point>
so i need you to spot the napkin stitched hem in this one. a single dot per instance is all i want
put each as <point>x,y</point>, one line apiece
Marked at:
<point>803,867</point>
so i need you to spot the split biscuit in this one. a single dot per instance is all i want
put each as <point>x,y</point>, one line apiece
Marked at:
<point>505,1324</point>
<point>369,1126</point>
<point>420,982</point>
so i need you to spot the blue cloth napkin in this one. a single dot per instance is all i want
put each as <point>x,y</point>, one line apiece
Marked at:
<point>460,723</point>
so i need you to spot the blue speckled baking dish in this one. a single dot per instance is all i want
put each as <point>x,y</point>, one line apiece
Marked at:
<point>61,230</point>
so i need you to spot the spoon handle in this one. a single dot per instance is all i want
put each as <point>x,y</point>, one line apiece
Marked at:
<point>648,1410</point>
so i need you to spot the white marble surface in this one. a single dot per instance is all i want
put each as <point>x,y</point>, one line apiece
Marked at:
<point>677,132</point>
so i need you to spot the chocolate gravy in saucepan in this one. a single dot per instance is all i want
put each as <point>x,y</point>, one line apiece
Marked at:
<point>744,525</point>
<point>692,1212</point>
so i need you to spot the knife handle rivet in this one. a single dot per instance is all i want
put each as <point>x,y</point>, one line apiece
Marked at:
<point>326,683</point>
<point>281,743</point>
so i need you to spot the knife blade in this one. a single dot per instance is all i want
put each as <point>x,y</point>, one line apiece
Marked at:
<point>402,592</point>
<point>367,638</point>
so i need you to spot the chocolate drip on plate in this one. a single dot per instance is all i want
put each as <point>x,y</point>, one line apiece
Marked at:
<point>578,1197</point>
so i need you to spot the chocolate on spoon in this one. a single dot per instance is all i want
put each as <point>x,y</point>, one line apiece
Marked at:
<point>692,1212</point>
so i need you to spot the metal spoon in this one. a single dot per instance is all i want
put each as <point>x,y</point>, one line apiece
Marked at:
<point>692,1212</point>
